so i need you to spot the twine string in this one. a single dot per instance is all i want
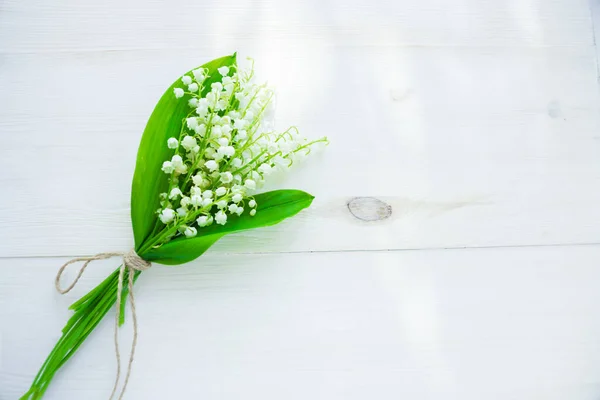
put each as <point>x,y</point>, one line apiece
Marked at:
<point>131,262</point>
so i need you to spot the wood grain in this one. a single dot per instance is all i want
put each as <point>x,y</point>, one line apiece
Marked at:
<point>70,25</point>
<point>470,147</point>
<point>471,124</point>
<point>386,325</point>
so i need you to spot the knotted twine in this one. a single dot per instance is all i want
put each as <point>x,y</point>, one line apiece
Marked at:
<point>131,262</point>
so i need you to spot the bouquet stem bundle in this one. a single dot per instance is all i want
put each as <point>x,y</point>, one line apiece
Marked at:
<point>87,314</point>
<point>205,150</point>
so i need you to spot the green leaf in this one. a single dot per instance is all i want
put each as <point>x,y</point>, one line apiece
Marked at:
<point>148,180</point>
<point>273,207</point>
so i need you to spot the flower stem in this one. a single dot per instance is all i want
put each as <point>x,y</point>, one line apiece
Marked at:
<point>88,312</point>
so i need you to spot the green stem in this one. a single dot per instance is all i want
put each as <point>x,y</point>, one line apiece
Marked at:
<point>88,312</point>
<point>202,144</point>
<point>160,239</point>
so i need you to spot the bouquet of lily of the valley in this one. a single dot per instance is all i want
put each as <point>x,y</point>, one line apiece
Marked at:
<point>208,147</point>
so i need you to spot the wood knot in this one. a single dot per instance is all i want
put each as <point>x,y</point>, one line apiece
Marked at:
<point>369,209</point>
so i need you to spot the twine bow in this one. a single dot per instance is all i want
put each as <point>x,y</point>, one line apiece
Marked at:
<point>131,262</point>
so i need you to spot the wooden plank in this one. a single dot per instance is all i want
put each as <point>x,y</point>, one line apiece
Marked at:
<point>70,25</point>
<point>462,324</point>
<point>469,147</point>
<point>465,123</point>
<point>595,14</point>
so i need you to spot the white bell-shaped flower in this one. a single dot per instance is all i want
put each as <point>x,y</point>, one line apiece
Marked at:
<point>190,231</point>
<point>167,215</point>
<point>220,218</point>
<point>172,143</point>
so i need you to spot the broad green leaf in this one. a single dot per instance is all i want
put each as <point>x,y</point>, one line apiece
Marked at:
<point>148,180</point>
<point>273,207</point>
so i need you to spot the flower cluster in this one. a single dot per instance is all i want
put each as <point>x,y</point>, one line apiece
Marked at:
<point>226,149</point>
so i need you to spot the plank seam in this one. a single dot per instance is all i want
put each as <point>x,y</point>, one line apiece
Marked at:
<point>517,246</point>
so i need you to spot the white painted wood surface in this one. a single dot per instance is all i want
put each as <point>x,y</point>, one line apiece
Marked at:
<point>476,121</point>
<point>516,323</point>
